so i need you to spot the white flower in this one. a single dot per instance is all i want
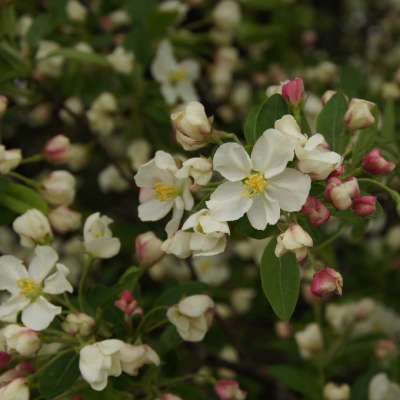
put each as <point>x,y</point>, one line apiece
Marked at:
<point>101,115</point>
<point>134,357</point>
<point>47,64</point>
<point>78,324</point>
<point>148,248</point>
<point>178,244</point>
<point>209,237</point>
<point>309,341</point>
<point>59,188</point>
<point>261,185</point>
<point>76,11</point>
<point>242,299</point>
<point>17,389</point>
<point>193,129</point>
<point>333,391</point>
<point>139,153</point>
<point>64,220</point>
<point>176,79</point>
<point>110,180</point>
<point>381,388</point>
<point>211,270</point>
<point>98,238</point>
<point>29,288</point>
<point>100,360</point>
<point>9,159</point>
<point>359,114</point>
<point>174,6</point>
<point>121,60</point>
<point>120,18</point>
<point>33,228</point>
<point>289,126</point>
<point>226,14</point>
<point>315,159</point>
<point>164,191</point>
<point>24,341</point>
<point>192,317</point>
<point>198,168</point>
<point>73,104</point>
<point>295,239</point>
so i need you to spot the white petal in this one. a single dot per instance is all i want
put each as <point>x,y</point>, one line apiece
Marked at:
<point>42,263</point>
<point>164,161</point>
<point>149,174</point>
<point>57,283</point>
<point>207,245</point>
<point>186,91</point>
<point>177,214</point>
<point>103,247</point>
<point>170,93</point>
<point>187,195</point>
<point>211,224</point>
<point>110,346</point>
<point>192,221</point>
<point>11,270</point>
<point>13,305</point>
<point>229,201</point>
<point>39,314</point>
<point>288,126</point>
<point>272,152</point>
<point>264,211</point>
<point>290,189</point>
<point>232,162</point>
<point>192,68</point>
<point>164,61</point>
<point>154,210</point>
<point>194,306</point>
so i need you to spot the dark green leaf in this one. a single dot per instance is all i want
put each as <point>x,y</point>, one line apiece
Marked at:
<point>365,142</point>
<point>169,340</point>
<point>331,125</point>
<point>263,117</point>
<point>59,375</point>
<point>280,278</point>
<point>7,21</point>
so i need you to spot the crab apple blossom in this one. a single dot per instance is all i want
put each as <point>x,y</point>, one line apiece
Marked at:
<point>294,239</point>
<point>289,127</point>
<point>178,244</point>
<point>341,194</point>
<point>198,168</point>
<point>382,388</point>
<point>192,317</point>
<point>101,115</point>
<point>29,287</point>
<point>359,114</point>
<point>325,282</point>
<point>17,389</point>
<point>164,191</point>
<point>134,357</point>
<point>57,149</point>
<point>364,206</point>
<point>293,91</point>
<point>78,324</point>
<point>316,211</point>
<point>110,180</point>
<point>138,152</point>
<point>260,185</point>
<point>9,159</point>
<point>121,60</point>
<point>128,305</point>
<point>333,391</point>
<point>226,15</point>
<point>24,341</point>
<point>59,188</point>
<point>193,129</point>
<point>33,227</point>
<point>176,78</point>
<point>229,390</point>
<point>376,164</point>
<point>309,341</point>
<point>98,238</point>
<point>148,248</point>
<point>63,219</point>
<point>76,11</point>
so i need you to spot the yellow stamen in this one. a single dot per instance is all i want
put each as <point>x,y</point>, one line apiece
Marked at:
<point>255,184</point>
<point>178,75</point>
<point>28,287</point>
<point>165,192</point>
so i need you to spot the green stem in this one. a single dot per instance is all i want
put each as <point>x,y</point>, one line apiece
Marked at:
<point>24,179</point>
<point>32,159</point>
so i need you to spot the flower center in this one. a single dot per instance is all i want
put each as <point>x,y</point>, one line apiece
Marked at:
<point>29,288</point>
<point>178,75</point>
<point>255,184</point>
<point>165,192</point>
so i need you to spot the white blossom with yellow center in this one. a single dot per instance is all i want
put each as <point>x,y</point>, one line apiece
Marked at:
<point>162,191</point>
<point>261,185</point>
<point>176,78</point>
<point>28,287</point>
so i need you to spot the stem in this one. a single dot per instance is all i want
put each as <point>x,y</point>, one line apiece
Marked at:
<point>24,179</point>
<point>32,159</point>
<point>395,196</point>
<point>82,283</point>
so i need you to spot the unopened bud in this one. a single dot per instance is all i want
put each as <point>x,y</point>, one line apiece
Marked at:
<point>359,115</point>
<point>128,305</point>
<point>293,91</point>
<point>325,282</point>
<point>316,211</point>
<point>57,149</point>
<point>78,324</point>
<point>229,390</point>
<point>295,239</point>
<point>148,248</point>
<point>376,164</point>
<point>364,206</point>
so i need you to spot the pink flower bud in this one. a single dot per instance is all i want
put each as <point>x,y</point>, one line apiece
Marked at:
<point>57,150</point>
<point>375,164</point>
<point>293,91</point>
<point>359,115</point>
<point>5,359</point>
<point>316,212</point>
<point>341,194</point>
<point>229,390</point>
<point>148,248</point>
<point>338,172</point>
<point>364,205</point>
<point>128,305</point>
<point>325,282</point>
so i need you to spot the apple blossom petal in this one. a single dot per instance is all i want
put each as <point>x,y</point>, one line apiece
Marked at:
<point>177,214</point>
<point>164,62</point>
<point>154,210</point>
<point>196,305</point>
<point>232,162</point>
<point>264,211</point>
<point>13,305</point>
<point>57,283</point>
<point>11,270</point>
<point>290,189</point>
<point>149,174</point>
<point>39,314</point>
<point>229,201</point>
<point>164,161</point>
<point>110,346</point>
<point>103,247</point>
<point>42,263</point>
<point>272,152</point>
<point>192,69</point>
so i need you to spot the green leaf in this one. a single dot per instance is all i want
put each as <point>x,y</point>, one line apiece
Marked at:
<point>169,340</point>
<point>280,278</point>
<point>263,117</point>
<point>365,142</point>
<point>331,125</point>
<point>19,198</point>
<point>42,26</point>
<point>81,56</point>
<point>298,379</point>
<point>59,375</point>
<point>7,21</point>
<point>352,81</point>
